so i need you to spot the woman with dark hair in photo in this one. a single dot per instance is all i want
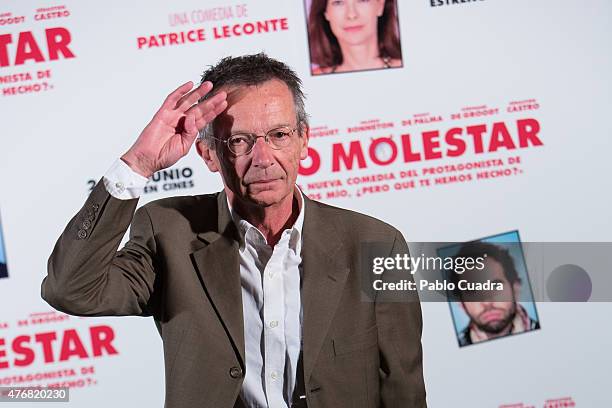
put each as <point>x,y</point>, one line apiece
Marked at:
<point>353,35</point>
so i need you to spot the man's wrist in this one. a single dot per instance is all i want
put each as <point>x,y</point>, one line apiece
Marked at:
<point>132,161</point>
<point>123,182</point>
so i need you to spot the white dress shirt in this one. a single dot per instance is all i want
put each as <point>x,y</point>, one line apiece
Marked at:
<point>271,304</point>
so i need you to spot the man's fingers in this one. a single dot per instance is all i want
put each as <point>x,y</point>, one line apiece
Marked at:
<point>190,124</point>
<point>210,115</point>
<point>171,99</point>
<point>208,105</point>
<point>192,97</point>
<point>191,131</point>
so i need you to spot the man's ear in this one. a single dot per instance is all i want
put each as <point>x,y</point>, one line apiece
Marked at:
<point>208,155</point>
<point>304,142</point>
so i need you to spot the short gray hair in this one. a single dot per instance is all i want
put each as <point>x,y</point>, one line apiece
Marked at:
<point>248,70</point>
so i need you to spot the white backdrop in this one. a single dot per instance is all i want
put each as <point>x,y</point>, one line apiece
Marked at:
<point>61,131</point>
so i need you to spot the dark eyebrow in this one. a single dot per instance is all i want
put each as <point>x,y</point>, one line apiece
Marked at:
<point>276,126</point>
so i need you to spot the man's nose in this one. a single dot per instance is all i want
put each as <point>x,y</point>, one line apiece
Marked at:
<point>487,305</point>
<point>262,154</point>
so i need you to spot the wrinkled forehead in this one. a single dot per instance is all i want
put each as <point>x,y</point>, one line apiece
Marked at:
<point>257,108</point>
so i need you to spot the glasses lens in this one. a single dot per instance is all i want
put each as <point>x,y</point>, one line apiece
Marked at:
<point>240,143</point>
<point>280,137</point>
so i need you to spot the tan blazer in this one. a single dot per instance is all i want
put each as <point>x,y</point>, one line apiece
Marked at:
<point>181,266</point>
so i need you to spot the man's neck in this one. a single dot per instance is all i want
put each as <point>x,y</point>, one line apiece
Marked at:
<point>272,220</point>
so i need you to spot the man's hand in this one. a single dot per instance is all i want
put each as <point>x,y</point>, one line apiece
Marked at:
<point>174,127</point>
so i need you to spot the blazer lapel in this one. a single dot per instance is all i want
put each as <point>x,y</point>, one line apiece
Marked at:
<point>324,276</point>
<point>218,265</point>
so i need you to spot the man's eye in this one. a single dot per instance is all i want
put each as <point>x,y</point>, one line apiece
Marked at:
<point>279,134</point>
<point>239,140</point>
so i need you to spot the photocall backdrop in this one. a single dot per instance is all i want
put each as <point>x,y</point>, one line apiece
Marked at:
<point>496,120</point>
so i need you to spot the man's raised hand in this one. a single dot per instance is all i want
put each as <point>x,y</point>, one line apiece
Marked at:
<point>173,129</point>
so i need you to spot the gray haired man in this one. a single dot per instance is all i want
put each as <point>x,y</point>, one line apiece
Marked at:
<point>255,290</point>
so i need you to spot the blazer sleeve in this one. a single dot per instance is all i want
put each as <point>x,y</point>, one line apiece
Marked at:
<point>399,322</point>
<point>87,276</point>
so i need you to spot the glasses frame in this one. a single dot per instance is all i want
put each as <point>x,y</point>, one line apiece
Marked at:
<point>254,137</point>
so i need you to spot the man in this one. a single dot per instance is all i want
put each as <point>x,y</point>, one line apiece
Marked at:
<point>255,289</point>
<point>492,314</point>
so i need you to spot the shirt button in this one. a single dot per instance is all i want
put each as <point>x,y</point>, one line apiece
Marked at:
<point>274,375</point>
<point>235,372</point>
<point>273,323</point>
<point>270,275</point>
<point>120,186</point>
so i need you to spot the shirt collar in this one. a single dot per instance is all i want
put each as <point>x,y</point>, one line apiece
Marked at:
<point>249,234</point>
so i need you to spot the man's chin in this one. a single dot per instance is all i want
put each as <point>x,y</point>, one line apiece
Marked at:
<point>496,326</point>
<point>265,197</point>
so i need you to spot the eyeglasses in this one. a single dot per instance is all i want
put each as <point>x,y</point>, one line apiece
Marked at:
<point>242,143</point>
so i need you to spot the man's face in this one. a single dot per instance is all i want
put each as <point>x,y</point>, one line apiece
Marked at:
<point>494,317</point>
<point>265,176</point>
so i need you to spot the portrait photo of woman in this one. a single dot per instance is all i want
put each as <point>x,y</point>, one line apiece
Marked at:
<point>353,35</point>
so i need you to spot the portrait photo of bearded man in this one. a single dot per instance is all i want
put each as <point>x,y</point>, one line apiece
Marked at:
<point>496,313</point>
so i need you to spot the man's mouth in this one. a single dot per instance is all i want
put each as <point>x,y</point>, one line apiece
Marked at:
<point>266,181</point>
<point>491,315</point>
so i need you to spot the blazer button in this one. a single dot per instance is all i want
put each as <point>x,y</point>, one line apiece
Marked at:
<point>235,372</point>
<point>82,234</point>
<point>86,224</point>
